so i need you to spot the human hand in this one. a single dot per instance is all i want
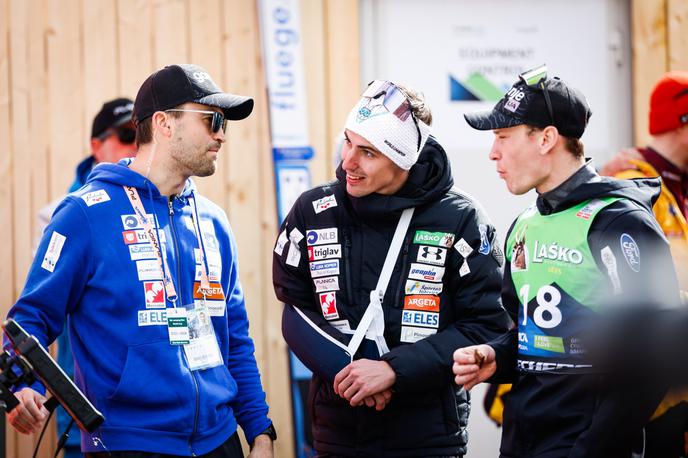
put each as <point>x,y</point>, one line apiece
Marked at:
<point>30,415</point>
<point>473,365</point>
<point>621,161</point>
<point>261,447</point>
<point>364,378</point>
<point>378,400</point>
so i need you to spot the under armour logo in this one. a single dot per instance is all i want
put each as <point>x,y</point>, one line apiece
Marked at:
<point>427,251</point>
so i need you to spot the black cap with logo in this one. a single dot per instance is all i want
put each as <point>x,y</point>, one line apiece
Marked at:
<point>178,84</point>
<point>537,101</point>
<point>113,114</point>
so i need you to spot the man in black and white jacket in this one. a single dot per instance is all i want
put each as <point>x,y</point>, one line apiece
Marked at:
<point>443,291</point>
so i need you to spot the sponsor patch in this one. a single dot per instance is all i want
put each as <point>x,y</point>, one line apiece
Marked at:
<point>281,242</point>
<point>139,251</point>
<point>326,284</point>
<point>324,268</point>
<point>484,241</point>
<point>342,326</point>
<point>152,317</point>
<point>323,204</point>
<point>316,253</point>
<point>149,269</point>
<point>609,261</point>
<point>294,254</point>
<point>328,305</point>
<point>549,343</point>
<point>443,239</point>
<point>556,252</point>
<point>95,197</point>
<point>321,236</point>
<point>130,222</point>
<point>52,254</point>
<point>426,272</point>
<point>421,287</point>
<point>432,255</point>
<point>215,294</point>
<point>464,270</point>
<point>631,252</point>
<point>139,236</point>
<point>215,308</point>
<point>587,211</point>
<point>423,303</point>
<point>155,294</point>
<point>214,273</point>
<point>410,334</point>
<point>422,319</point>
<point>463,248</point>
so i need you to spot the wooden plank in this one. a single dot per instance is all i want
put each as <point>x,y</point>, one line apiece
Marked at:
<point>65,92</point>
<point>315,74</point>
<point>252,209</point>
<point>677,18</point>
<point>171,43</point>
<point>205,42</point>
<point>38,111</point>
<point>101,58</point>
<point>343,67</point>
<point>135,41</point>
<point>648,22</point>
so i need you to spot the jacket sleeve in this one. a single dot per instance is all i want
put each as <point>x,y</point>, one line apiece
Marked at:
<point>312,338</point>
<point>249,406</point>
<point>476,310</point>
<point>57,276</point>
<point>630,248</point>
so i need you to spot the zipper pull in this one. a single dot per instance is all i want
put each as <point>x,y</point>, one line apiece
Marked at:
<point>169,205</point>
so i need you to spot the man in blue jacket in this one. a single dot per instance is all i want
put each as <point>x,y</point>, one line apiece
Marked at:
<point>138,261</point>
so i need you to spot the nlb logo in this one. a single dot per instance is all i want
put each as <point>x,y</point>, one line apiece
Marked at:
<point>316,253</point>
<point>422,303</point>
<point>321,236</point>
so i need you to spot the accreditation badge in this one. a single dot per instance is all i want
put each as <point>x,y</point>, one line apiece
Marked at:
<point>202,351</point>
<point>178,326</point>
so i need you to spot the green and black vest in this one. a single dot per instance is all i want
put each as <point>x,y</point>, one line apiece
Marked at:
<point>559,286</point>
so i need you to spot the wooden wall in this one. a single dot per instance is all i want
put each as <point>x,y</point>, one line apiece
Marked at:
<point>61,59</point>
<point>659,44</point>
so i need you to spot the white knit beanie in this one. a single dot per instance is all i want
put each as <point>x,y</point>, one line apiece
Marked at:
<point>394,135</point>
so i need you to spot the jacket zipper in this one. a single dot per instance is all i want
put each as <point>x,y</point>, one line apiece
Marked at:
<point>179,296</point>
<point>401,284</point>
<point>347,268</point>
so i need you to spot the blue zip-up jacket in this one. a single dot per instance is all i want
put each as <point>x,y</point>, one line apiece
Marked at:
<point>124,362</point>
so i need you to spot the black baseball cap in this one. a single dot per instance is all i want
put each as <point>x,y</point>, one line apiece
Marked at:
<point>178,84</point>
<point>538,101</point>
<point>112,114</point>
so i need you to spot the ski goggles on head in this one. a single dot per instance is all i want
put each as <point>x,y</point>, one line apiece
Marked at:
<point>394,101</point>
<point>536,78</point>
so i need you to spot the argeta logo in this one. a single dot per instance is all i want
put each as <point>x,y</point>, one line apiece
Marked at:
<point>424,303</point>
<point>155,294</point>
<point>328,304</point>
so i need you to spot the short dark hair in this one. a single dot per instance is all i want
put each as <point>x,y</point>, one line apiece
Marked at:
<point>573,145</point>
<point>144,129</point>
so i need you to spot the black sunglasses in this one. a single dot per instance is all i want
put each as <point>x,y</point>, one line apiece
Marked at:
<point>536,78</point>
<point>218,121</point>
<point>126,135</point>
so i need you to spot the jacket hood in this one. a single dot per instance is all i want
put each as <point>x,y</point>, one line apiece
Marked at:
<point>643,191</point>
<point>120,174</point>
<point>429,179</point>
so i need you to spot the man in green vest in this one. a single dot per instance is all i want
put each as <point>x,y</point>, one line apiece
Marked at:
<point>588,244</point>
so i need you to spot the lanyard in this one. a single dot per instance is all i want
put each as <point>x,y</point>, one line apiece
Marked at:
<point>205,284</point>
<point>136,204</point>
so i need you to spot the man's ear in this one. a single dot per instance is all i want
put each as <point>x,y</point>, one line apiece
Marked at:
<point>160,124</point>
<point>97,149</point>
<point>548,139</point>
